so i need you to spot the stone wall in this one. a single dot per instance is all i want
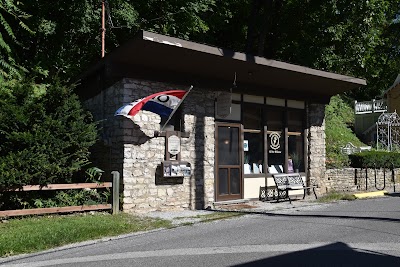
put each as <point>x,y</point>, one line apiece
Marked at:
<point>352,179</point>
<point>316,146</point>
<point>130,147</point>
<point>137,153</point>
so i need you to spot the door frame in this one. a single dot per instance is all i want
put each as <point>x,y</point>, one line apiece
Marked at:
<point>216,165</point>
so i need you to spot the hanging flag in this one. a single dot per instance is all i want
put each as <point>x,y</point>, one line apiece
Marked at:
<point>162,103</point>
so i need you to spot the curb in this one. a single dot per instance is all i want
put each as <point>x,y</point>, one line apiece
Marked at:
<point>77,245</point>
<point>371,194</point>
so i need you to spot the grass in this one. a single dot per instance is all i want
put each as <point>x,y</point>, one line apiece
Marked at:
<point>334,196</point>
<point>26,235</point>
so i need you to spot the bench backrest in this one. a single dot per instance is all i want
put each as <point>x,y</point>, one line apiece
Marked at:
<point>285,179</point>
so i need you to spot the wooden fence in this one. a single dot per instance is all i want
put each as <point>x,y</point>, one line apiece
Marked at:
<point>114,206</point>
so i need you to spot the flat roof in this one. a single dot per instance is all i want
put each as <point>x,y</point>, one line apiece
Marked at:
<point>165,58</point>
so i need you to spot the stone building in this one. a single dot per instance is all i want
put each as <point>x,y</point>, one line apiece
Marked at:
<point>275,123</point>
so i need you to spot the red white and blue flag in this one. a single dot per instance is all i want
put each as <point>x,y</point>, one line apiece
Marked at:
<point>162,103</point>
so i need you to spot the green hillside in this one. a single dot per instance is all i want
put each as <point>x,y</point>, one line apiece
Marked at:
<point>339,118</point>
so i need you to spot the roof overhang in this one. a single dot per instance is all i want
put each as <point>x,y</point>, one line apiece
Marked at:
<point>171,59</point>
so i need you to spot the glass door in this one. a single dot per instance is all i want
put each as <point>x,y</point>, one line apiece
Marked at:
<point>229,181</point>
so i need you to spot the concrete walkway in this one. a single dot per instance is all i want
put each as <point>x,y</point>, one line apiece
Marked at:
<point>243,206</point>
<point>255,207</point>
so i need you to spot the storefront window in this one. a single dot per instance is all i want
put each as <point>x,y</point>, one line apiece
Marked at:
<point>253,142</point>
<point>253,153</point>
<point>276,152</point>
<point>295,140</point>
<point>273,136</point>
<point>252,117</point>
<point>276,140</point>
<point>295,120</point>
<point>275,119</point>
<point>296,153</point>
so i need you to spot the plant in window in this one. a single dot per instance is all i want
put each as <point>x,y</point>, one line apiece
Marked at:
<point>246,159</point>
<point>246,167</point>
<point>296,159</point>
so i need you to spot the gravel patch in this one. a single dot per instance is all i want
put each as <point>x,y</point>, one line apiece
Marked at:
<point>284,207</point>
<point>180,217</point>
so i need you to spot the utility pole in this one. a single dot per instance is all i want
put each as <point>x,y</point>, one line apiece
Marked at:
<point>103,27</point>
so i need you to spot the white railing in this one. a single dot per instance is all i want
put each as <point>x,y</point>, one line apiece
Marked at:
<point>370,106</point>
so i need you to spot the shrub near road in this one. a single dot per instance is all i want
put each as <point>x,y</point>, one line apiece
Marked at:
<point>45,135</point>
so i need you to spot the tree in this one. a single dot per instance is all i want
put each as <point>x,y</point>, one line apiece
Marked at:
<point>346,37</point>
<point>68,36</point>
<point>45,134</point>
<point>9,68</point>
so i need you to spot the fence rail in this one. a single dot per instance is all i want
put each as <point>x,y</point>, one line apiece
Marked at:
<point>114,206</point>
<point>372,106</point>
<point>62,186</point>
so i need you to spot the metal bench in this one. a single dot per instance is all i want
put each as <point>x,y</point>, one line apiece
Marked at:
<point>286,182</point>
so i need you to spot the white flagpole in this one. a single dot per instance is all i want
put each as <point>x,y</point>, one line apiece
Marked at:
<point>176,108</point>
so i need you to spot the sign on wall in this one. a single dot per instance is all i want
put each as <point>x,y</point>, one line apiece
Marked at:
<point>176,169</point>
<point>274,142</point>
<point>174,145</point>
<point>224,104</point>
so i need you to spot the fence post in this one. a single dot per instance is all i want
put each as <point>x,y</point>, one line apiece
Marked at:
<point>115,194</point>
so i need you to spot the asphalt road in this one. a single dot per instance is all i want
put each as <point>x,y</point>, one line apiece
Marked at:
<point>356,233</point>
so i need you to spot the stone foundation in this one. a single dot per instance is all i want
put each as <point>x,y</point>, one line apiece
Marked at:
<point>352,180</point>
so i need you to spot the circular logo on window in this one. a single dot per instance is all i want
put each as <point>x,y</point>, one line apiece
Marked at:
<point>274,137</point>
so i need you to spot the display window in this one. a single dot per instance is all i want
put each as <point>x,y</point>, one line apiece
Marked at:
<point>273,136</point>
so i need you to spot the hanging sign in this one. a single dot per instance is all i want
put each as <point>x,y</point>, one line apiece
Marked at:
<point>174,144</point>
<point>224,104</point>
<point>275,144</point>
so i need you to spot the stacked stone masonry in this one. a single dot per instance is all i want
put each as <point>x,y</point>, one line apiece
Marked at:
<point>352,180</point>
<point>316,146</point>
<point>137,153</point>
<point>131,147</point>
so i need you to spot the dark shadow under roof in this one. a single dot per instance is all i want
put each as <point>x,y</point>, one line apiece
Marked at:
<point>164,58</point>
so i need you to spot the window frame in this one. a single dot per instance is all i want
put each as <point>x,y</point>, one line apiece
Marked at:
<point>264,130</point>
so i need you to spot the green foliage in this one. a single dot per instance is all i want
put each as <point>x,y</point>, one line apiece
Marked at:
<point>375,159</point>
<point>45,134</point>
<point>94,174</point>
<point>355,38</point>
<point>9,9</point>
<point>335,196</point>
<point>339,118</point>
<point>296,159</point>
<point>73,198</point>
<point>50,199</point>
<point>346,37</point>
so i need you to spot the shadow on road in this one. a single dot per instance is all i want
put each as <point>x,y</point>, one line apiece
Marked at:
<point>393,194</point>
<point>311,215</point>
<point>336,254</point>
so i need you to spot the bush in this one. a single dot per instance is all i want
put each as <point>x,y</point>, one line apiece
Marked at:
<point>375,159</point>
<point>45,134</point>
<point>339,118</point>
